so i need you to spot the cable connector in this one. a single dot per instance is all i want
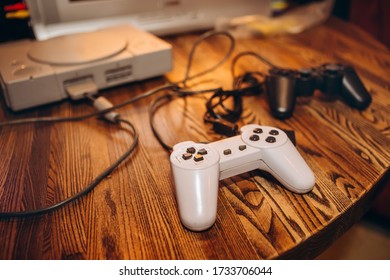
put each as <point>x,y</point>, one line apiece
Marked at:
<point>223,127</point>
<point>101,103</point>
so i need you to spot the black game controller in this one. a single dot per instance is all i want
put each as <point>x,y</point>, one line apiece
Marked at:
<point>283,86</point>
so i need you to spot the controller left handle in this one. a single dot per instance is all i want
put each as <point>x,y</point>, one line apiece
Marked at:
<point>281,84</point>
<point>195,169</point>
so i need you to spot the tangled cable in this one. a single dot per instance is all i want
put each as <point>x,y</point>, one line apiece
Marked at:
<point>225,107</point>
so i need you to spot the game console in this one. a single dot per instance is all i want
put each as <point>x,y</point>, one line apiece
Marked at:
<point>197,169</point>
<point>34,73</point>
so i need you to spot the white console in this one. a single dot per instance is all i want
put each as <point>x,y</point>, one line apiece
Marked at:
<point>34,73</point>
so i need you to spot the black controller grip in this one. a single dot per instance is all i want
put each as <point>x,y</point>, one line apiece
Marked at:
<point>280,85</point>
<point>354,92</point>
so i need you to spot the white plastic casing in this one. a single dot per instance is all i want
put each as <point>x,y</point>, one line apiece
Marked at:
<point>34,73</point>
<point>197,186</point>
<point>197,169</point>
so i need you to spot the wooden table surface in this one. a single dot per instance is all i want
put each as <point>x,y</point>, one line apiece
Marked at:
<point>133,214</point>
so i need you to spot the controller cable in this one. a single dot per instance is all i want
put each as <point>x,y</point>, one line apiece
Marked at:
<point>100,103</point>
<point>182,90</point>
<point>251,83</point>
<point>222,117</point>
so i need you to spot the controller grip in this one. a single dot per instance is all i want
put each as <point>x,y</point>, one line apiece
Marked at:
<point>354,92</point>
<point>197,195</point>
<point>286,164</point>
<point>281,92</point>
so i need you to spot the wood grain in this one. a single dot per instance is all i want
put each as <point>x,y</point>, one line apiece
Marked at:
<point>132,214</point>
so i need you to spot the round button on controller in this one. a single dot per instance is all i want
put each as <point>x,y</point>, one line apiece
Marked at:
<point>270,139</point>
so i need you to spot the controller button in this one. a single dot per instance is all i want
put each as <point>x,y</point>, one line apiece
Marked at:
<point>254,137</point>
<point>191,150</point>
<point>186,156</point>
<point>258,130</point>
<point>227,152</point>
<point>274,132</point>
<point>270,139</point>
<point>198,157</point>
<point>242,147</point>
<point>202,152</point>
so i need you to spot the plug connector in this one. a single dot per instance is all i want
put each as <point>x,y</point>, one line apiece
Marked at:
<point>224,127</point>
<point>79,87</point>
<point>101,104</point>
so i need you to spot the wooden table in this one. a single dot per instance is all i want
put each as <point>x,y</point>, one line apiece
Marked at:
<point>133,213</point>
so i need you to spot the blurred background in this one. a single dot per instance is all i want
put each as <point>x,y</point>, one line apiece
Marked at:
<point>370,15</point>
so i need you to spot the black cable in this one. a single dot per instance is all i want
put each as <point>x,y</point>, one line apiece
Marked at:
<point>217,112</point>
<point>90,115</point>
<point>250,82</point>
<point>106,172</point>
<point>87,189</point>
<point>216,107</point>
<point>164,99</point>
<point>224,117</point>
<point>250,53</point>
<point>221,116</point>
<point>199,40</point>
<point>183,91</point>
<point>157,103</point>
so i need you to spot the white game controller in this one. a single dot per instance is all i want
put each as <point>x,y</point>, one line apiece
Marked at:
<point>197,169</point>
